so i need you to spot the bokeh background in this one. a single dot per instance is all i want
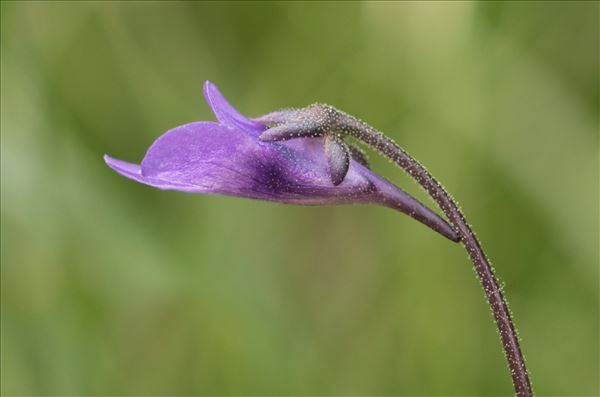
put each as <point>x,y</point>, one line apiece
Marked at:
<point>113,288</point>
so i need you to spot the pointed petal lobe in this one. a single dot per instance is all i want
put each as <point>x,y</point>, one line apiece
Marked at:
<point>226,113</point>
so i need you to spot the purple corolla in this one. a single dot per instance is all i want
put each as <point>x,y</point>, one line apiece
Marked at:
<point>229,157</point>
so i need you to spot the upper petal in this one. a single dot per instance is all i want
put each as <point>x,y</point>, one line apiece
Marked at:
<point>226,114</point>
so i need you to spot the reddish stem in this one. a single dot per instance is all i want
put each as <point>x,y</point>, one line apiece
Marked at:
<point>483,268</point>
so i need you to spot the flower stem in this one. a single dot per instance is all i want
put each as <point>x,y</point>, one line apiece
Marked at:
<point>483,268</point>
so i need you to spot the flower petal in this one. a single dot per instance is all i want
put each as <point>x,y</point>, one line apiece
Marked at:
<point>216,159</point>
<point>226,114</point>
<point>133,171</point>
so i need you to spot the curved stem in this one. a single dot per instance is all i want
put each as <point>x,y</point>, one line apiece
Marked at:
<point>483,268</point>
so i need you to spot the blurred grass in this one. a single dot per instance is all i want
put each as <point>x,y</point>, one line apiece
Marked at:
<point>109,287</point>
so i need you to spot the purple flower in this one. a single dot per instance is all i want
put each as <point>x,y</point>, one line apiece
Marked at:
<point>229,158</point>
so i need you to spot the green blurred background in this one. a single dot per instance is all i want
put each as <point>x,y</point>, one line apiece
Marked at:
<point>110,287</point>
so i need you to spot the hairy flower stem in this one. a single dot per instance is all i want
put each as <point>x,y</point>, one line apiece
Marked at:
<point>321,120</point>
<point>483,268</point>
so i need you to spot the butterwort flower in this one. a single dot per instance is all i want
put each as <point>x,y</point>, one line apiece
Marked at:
<point>229,158</point>
<point>300,156</point>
